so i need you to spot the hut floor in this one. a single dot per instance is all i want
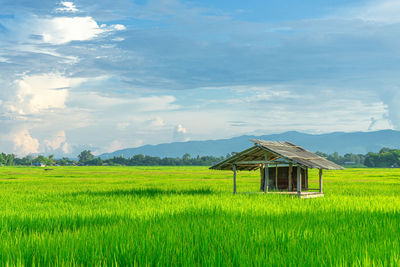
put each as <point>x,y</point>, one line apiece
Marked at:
<point>302,194</point>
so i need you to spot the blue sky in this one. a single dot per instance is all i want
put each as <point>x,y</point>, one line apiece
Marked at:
<point>107,75</point>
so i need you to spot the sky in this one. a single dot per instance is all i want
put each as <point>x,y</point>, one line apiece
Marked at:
<point>106,75</point>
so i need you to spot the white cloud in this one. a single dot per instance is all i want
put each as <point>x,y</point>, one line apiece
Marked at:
<point>118,27</point>
<point>4,60</point>
<point>118,39</point>
<point>115,145</point>
<point>180,129</point>
<point>64,29</point>
<point>37,93</point>
<point>58,141</point>
<point>61,30</point>
<point>67,7</point>
<point>156,103</point>
<point>97,101</point>
<point>386,11</point>
<point>24,143</point>
<point>157,122</point>
<point>179,133</point>
<point>65,148</point>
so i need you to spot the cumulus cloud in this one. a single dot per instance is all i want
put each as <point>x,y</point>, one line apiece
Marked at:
<point>24,143</point>
<point>37,93</point>
<point>180,129</point>
<point>61,30</point>
<point>67,7</point>
<point>117,27</point>
<point>58,141</point>
<point>179,134</point>
<point>392,99</point>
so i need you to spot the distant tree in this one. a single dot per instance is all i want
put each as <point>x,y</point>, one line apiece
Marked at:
<point>385,158</point>
<point>384,150</point>
<point>51,160</point>
<point>41,160</point>
<point>85,156</point>
<point>3,159</point>
<point>369,160</point>
<point>28,159</point>
<point>64,161</point>
<point>25,161</point>
<point>321,154</point>
<point>95,162</point>
<point>10,160</point>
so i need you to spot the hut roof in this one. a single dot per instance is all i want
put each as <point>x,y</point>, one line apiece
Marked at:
<point>275,152</point>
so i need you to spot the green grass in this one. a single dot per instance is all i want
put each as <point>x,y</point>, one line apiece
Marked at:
<point>168,216</point>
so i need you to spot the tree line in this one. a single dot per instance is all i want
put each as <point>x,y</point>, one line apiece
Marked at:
<point>86,158</point>
<point>385,158</point>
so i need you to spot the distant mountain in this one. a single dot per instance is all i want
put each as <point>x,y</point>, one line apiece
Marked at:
<point>356,142</point>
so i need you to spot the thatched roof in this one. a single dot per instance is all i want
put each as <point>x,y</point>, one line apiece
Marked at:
<point>275,152</point>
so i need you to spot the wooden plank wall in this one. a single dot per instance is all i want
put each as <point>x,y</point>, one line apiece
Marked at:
<point>283,174</point>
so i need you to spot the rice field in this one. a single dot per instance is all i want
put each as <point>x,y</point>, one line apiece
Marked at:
<point>181,216</point>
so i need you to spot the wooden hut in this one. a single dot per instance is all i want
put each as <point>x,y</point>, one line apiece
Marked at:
<point>283,167</point>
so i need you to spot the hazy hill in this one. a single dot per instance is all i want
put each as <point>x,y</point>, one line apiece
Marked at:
<point>356,142</point>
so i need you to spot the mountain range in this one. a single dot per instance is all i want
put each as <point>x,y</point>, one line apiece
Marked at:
<point>341,142</point>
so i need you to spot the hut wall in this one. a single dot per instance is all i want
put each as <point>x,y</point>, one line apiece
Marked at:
<point>283,175</point>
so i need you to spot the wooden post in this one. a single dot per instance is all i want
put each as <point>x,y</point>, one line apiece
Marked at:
<point>266,183</point>
<point>234,178</point>
<point>320,180</point>
<point>290,177</point>
<point>262,175</point>
<point>306,179</point>
<point>276,177</point>
<point>298,180</point>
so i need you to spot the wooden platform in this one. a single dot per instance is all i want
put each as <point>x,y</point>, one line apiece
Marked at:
<point>301,195</point>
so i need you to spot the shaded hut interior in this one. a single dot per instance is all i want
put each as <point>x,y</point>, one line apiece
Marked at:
<point>281,182</point>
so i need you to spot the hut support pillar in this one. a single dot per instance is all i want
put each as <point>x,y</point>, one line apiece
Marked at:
<point>320,180</point>
<point>276,177</point>
<point>266,178</point>
<point>298,180</point>
<point>234,178</point>
<point>262,175</point>
<point>306,179</point>
<point>290,177</point>
<point>266,182</point>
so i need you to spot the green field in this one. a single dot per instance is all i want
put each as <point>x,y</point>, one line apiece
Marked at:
<point>168,216</point>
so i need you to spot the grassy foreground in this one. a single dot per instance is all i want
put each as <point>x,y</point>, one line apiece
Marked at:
<point>164,216</point>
